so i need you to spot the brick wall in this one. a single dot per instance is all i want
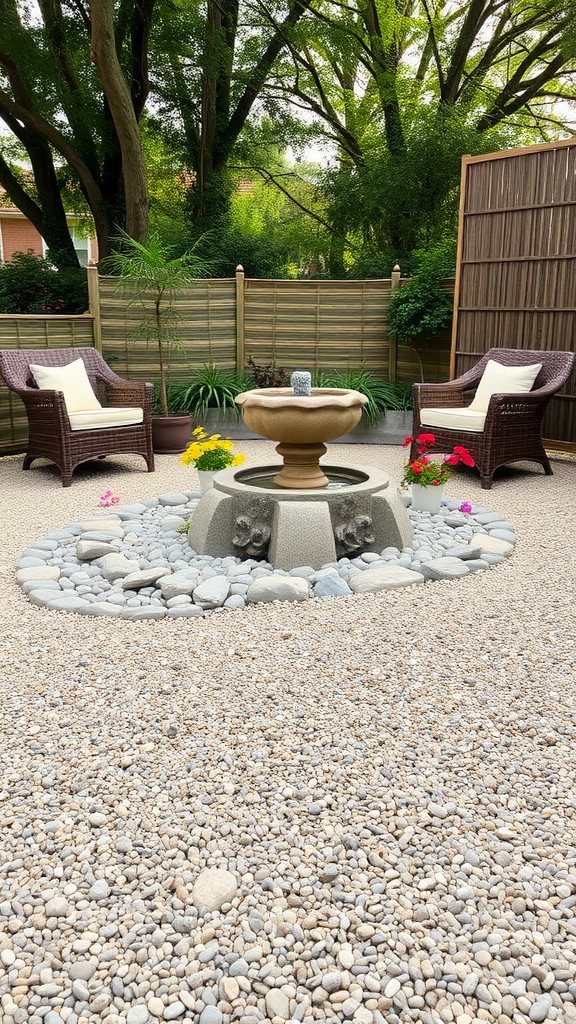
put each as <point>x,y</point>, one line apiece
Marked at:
<point>19,235</point>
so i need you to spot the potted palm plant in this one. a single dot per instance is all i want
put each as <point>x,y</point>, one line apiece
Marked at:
<point>152,276</point>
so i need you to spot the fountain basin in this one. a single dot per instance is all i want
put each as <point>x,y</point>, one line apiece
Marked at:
<point>301,423</point>
<point>245,516</point>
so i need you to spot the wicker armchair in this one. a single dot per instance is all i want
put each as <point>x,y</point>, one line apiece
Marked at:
<point>512,429</point>
<point>50,435</point>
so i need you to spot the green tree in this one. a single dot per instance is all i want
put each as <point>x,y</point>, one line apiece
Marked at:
<point>73,85</point>
<point>406,87</point>
<point>210,66</point>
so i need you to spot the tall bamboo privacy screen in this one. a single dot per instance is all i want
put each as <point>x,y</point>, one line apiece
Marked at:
<point>516,274</point>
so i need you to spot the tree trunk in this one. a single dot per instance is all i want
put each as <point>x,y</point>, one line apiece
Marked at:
<point>119,100</point>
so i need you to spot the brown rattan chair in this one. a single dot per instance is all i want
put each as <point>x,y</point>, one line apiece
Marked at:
<point>49,432</point>
<point>512,429</point>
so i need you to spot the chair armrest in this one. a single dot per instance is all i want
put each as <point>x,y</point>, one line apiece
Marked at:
<point>44,405</point>
<point>449,395</point>
<point>121,393</point>
<point>519,403</point>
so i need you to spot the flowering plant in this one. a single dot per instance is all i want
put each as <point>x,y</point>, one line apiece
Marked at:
<point>427,472</point>
<point>107,500</point>
<point>210,453</point>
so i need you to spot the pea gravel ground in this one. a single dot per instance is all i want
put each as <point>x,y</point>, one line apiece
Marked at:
<point>389,779</point>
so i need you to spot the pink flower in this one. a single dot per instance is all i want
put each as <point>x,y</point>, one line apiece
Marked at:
<point>108,499</point>
<point>465,507</point>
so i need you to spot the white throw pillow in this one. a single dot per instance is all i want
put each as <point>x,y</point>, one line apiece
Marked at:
<point>72,380</point>
<point>503,380</point>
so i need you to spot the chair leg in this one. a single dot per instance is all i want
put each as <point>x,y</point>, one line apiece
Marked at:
<point>547,467</point>
<point>486,481</point>
<point>150,462</point>
<point>28,460</point>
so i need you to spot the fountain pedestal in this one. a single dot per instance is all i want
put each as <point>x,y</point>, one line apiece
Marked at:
<point>245,514</point>
<point>302,468</point>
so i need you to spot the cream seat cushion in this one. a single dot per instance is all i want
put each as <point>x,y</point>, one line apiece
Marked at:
<point>96,419</point>
<point>72,380</point>
<point>503,380</point>
<point>454,419</point>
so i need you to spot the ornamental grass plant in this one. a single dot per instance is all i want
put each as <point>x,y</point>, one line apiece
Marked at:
<point>211,453</point>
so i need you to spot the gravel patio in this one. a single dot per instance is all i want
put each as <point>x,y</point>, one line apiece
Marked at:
<point>389,778</point>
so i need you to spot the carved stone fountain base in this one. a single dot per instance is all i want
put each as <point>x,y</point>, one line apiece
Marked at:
<point>244,515</point>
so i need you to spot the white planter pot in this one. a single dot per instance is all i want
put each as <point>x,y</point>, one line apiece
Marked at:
<point>206,477</point>
<point>426,499</point>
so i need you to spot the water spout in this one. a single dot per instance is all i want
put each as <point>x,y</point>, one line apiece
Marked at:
<point>301,382</point>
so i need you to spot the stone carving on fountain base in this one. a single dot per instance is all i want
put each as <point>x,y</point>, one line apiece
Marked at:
<point>251,538</point>
<point>354,537</point>
<point>294,527</point>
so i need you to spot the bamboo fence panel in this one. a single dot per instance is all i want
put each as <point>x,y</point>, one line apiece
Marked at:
<point>517,263</point>
<point>318,325</point>
<point>206,329</point>
<point>34,331</point>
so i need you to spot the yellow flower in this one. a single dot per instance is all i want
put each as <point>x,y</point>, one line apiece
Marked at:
<point>238,460</point>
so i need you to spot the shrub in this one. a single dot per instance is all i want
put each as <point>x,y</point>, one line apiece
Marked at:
<point>30,284</point>
<point>421,310</point>
<point>268,375</point>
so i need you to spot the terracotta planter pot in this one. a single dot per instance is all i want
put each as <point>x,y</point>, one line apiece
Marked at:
<point>171,434</point>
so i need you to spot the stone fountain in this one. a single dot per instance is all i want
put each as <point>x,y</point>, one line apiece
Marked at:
<point>299,512</point>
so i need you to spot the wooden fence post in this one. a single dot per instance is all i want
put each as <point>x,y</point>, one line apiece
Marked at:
<point>392,346</point>
<point>239,319</point>
<point>94,305</point>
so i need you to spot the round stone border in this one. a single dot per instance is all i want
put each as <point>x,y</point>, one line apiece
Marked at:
<point>136,563</point>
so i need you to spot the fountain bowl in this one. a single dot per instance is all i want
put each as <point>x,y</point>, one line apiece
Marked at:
<point>301,424</point>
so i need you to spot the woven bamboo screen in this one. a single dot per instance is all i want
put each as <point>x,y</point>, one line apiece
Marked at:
<point>19,331</point>
<point>206,327</point>
<point>515,282</point>
<point>316,325</point>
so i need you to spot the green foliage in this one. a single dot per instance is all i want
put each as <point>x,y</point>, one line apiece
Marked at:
<point>420,310</point>
<point>210,387</point>
<point>381,394</point>
<point>29,284</point>
<point>268,375</point>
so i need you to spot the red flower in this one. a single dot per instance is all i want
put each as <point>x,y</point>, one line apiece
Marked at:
<point>467,459</point>
<point>416,467</point>
<point>426,439</point>
<point>407,442</point>
<point>435,483</point>
<point>452,460</point>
